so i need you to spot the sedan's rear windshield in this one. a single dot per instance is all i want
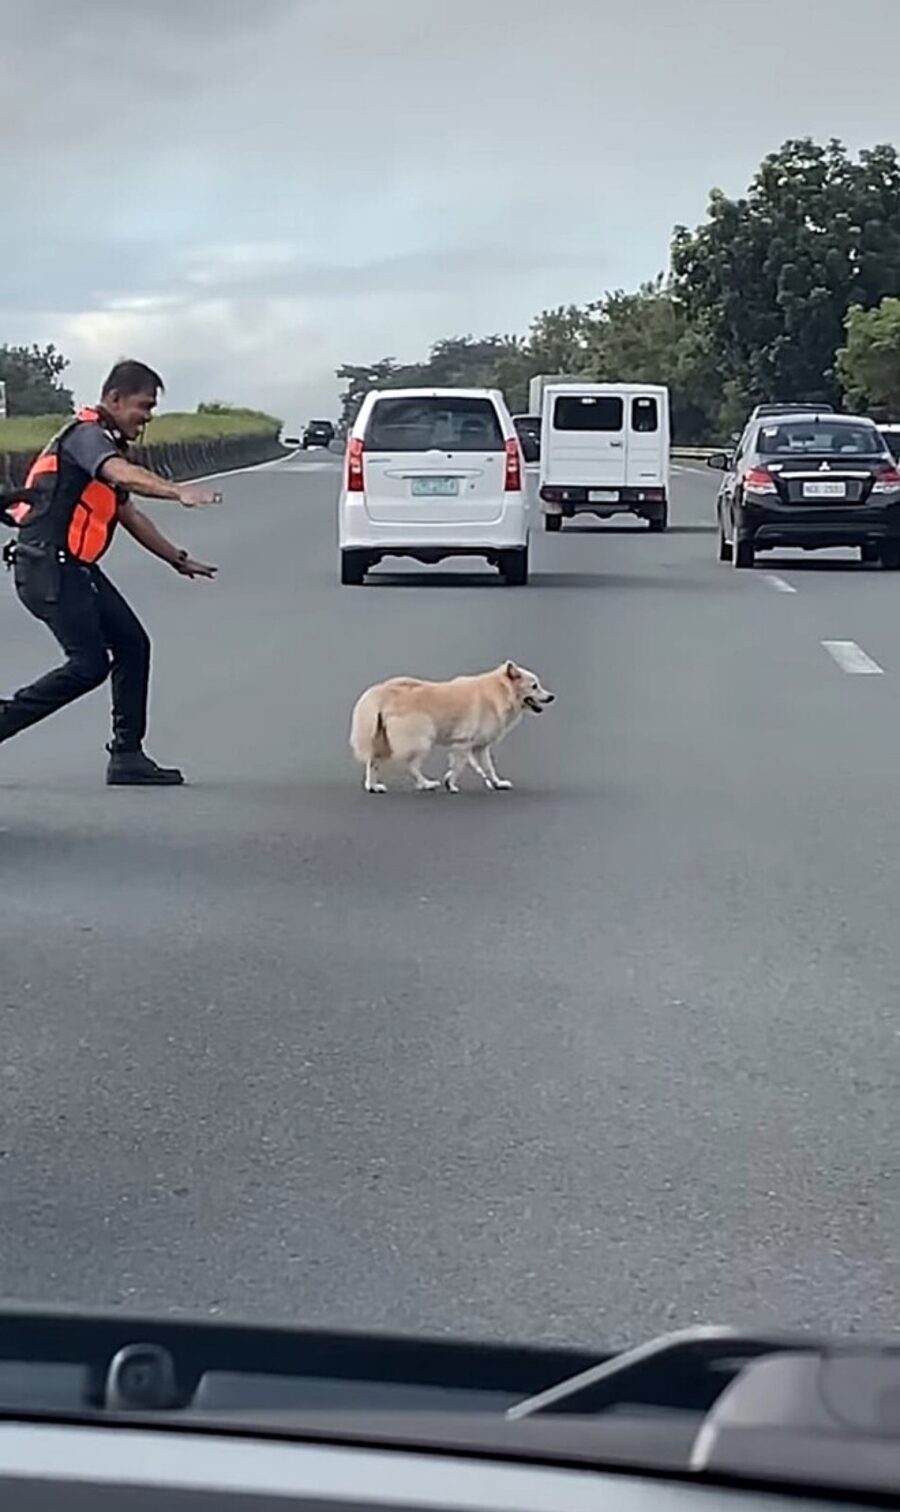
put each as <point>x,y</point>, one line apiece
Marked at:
<point>432,422</point>
<point>819,438</point>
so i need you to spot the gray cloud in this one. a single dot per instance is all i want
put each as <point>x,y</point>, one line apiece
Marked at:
<point>254,194</point>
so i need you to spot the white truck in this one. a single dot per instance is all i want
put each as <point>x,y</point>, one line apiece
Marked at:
<point>604,451</point>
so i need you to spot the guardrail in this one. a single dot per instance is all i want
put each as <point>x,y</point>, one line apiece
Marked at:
<point>695,453</point>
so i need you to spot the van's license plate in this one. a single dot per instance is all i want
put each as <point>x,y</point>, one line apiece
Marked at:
<point>824,490</point>
<point>434,488</point>
<point>603,496</point>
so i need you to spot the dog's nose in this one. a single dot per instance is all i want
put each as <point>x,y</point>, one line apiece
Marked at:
<point>551,697</point>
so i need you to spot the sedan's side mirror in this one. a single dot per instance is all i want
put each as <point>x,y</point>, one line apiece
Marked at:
<point>719,461</point>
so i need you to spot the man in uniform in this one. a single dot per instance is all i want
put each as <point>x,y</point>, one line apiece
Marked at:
<point>76,494</point>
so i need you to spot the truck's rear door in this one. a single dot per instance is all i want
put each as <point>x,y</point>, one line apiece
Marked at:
<point>646,437</point>
<point>584,444</point>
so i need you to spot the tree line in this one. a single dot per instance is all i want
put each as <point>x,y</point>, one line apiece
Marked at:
<point>790,292</point>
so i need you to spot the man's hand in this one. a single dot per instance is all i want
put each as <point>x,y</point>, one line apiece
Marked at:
<point>189,568</point>
<point>196,498</point>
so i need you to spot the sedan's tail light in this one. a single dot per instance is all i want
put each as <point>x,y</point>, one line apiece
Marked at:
<point>513,481</point>
<point>355,480</point>
<point>887,480</point>
<point>759,481</point>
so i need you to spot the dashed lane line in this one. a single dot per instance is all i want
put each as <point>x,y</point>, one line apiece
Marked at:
<point>852,658</point>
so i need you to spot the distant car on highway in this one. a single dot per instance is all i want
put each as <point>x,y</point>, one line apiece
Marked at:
<point>528,430</point>
<point>318,433</point>
<point>430,474</point>
<point>809,480</point>
<point>763,411</point>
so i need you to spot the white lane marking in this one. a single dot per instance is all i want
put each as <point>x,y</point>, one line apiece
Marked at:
<point>780,584</point>
<point>851,658</point>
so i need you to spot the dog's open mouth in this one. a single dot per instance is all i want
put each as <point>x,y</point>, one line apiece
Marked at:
<point>533,705</point>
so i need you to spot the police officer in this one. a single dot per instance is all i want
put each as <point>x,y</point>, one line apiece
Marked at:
<point>77,493</point>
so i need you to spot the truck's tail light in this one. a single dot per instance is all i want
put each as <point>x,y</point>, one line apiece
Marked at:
<point>355,479</point>
<point>551,495</point>
<point>513,480</point>
<point>759,481</point>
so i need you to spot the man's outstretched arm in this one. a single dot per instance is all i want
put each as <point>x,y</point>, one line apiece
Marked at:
<point>133,479</point>
<point>152,539</point>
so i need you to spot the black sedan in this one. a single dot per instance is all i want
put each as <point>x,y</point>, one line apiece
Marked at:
<point>809,480</point>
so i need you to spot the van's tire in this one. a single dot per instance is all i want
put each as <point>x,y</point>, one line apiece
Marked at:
<point>354,566</point>
<point>660,522</point>
<point>514,567</point>
<point>552,522</point>
<point>742,553</point>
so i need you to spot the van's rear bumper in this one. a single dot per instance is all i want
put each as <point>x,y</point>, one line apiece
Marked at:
<point>358,531</point>
<point>647,503</point>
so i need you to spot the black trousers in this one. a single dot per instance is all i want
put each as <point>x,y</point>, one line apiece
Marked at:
<point>100,635</point>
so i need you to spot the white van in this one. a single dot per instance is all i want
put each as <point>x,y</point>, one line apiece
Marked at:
<point>605,451</point>
<point>433,473</point>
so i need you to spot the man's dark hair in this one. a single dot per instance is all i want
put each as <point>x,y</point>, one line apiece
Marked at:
<point>129,377</point>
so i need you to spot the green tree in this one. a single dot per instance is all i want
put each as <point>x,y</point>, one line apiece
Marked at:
<point>868,364</point>
<point>32,377</point>
<point>772,276</point>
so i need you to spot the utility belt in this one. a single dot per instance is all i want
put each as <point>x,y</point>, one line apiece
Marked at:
<point>20,551</point>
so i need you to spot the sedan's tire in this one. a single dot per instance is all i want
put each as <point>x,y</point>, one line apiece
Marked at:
<point>889,553</point>
<point>552,522</point>
<point>724,543</point>
<point>354,566</point>
<point>870,552</point>
<point>514,567</point>
<point>742,553</point>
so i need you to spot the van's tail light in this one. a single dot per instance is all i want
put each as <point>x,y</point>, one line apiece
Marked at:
<point>887,480</point>
<point>513,482</point>
<point>759,481</point>
<point>355,480</point>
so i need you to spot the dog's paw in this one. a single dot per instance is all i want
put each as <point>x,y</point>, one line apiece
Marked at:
<point>450,783</point>
<point>376,787</point>
<point>501,785</point>
<point>428,785</point>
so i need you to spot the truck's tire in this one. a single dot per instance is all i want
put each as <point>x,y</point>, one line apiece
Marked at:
<point>552,522</point>
<point>660,523</point>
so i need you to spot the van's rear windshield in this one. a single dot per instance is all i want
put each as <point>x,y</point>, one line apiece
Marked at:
<point>414,425</point>
<point>588,412</point>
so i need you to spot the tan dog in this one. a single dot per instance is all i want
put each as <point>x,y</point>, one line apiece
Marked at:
<point>402,720</point>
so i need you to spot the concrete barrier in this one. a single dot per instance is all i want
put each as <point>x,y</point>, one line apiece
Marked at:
<point>178,460</point>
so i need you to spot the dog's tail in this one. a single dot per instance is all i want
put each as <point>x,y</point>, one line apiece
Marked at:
<point>368,732</point>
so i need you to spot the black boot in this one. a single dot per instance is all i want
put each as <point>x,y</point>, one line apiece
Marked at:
<point>134,769</point>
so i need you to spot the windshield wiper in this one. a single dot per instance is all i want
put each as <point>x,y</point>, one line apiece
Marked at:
<point>707,1404</point>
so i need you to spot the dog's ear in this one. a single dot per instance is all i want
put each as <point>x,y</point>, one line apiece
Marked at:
<point>512,671</point>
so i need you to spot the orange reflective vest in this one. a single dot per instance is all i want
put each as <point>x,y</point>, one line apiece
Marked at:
<point>67,512</point>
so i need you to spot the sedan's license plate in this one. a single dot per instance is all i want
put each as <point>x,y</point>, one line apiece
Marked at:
<point>603,496</point>
<point>824,490</point>
<point>434,488</point>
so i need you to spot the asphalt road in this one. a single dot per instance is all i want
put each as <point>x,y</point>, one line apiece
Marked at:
<point>615,1052</point>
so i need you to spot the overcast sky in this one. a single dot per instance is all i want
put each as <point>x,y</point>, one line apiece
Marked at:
<point>246,193</point>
